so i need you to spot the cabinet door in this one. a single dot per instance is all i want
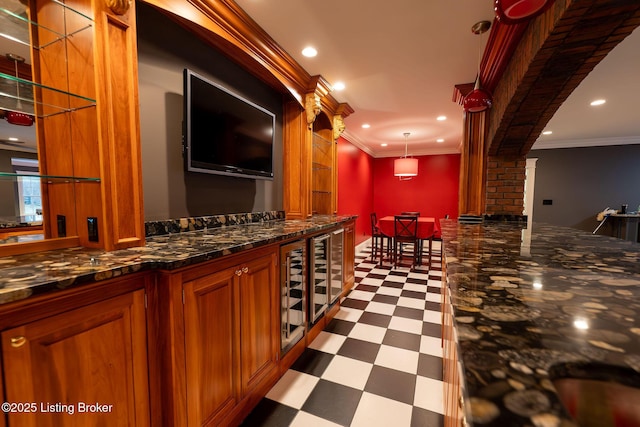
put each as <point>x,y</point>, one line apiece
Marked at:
<point>94,355</point>
<point>209,346</point>
<point>259,320</point>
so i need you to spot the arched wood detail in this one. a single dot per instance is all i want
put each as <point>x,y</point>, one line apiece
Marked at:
<point>556,52</point>
<point>531,69</point>
<point>225,26</point>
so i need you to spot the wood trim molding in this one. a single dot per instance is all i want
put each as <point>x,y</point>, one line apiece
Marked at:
<point>38,246</point>
<point>502,42</point>
<point>224,25</point>
<point>473,164</point>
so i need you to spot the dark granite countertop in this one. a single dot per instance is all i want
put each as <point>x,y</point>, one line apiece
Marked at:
<point>22,276</point>
<point>535,304</point>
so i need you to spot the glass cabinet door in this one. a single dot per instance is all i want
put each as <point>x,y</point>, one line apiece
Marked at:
<point>319,286</point>
<point>337,280</point>
<point>292,294</point>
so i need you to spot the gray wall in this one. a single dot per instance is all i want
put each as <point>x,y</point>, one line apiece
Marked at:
<point>164,50</point>
<point>581,182</point>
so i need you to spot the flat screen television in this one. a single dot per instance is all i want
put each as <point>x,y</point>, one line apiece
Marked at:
<point>224,133</point>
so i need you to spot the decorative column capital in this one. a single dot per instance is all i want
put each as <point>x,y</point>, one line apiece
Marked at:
<point>119,7</point>
<point>312,107</point>
<point>338,127</point>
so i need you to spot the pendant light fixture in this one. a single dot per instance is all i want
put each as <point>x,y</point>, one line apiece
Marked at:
<point>515,11</point>
<point>16,117</point>
<point>405,167</point>
<point>478,99</point>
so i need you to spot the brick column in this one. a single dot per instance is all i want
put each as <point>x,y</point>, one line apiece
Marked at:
<point>505,185</point>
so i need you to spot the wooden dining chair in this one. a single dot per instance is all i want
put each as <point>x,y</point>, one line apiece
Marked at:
<point>405,232</point>
<point>378,239</point>
<point>417,214</point>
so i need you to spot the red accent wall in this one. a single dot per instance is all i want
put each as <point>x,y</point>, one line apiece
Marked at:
<point>355,186</point>
<point>367,185</point>
<point>434,192</point>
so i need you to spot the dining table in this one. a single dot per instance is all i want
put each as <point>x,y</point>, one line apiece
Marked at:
<point>427,227</point>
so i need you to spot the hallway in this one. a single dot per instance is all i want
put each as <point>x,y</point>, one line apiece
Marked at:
<point>378,363</point>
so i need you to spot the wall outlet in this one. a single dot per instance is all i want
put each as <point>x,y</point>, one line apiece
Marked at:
<point>61,221</point>
<point>92,227</point>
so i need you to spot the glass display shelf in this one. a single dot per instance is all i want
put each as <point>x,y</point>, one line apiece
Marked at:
<point>317,140</point>
<point>48,179</point>
<point>16,24</point>
<point>19,95</point>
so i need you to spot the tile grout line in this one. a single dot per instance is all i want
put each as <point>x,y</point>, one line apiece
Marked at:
<point>381,354</point>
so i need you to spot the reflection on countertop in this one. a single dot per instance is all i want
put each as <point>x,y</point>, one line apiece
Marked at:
<point>22,276</point>
<point>527,302</point>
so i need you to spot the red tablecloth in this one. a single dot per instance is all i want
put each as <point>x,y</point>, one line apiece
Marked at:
<point>426,226</point>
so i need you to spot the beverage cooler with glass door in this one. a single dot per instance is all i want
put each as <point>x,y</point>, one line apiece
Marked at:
<point>326,272</point>
<point>293,305</point>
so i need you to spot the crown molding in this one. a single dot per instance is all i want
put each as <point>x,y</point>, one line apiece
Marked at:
<point>354,140</point>
<point>398,153</point>
<point>587,142</point>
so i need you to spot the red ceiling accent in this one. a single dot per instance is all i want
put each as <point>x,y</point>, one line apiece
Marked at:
<point>516,11</point>
<point>477,100</point>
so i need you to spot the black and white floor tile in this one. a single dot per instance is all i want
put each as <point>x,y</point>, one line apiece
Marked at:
<point>379,361</point>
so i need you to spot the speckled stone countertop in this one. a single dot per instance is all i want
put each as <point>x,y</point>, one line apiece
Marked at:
<point>22,276</point>
<point>535,304</point>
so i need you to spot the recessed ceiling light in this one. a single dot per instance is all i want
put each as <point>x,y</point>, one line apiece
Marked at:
<point>441,118</point>
<point>309,52</point>
<point>598,102</point>
<point>366,126</point>
<point>547,132</point>
<point>439,140</point>
<point>13,139</point>
<point>383,144</point>
<point>338,86</point>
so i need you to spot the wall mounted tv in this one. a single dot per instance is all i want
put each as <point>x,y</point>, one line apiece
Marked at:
<point>224,133</point>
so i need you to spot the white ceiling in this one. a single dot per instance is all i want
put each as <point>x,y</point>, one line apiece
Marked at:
<point>401,59</point>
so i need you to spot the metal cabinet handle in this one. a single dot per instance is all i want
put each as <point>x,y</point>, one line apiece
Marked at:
<point>238,273</point>
<point>18,341</point>
<point>245,269</point>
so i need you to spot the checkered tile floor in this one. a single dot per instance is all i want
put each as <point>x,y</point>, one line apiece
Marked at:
<point>378,363</point>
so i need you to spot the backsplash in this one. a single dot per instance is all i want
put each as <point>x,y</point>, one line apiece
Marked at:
<point>181,225</point>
